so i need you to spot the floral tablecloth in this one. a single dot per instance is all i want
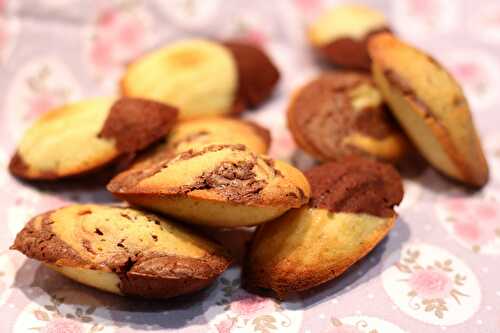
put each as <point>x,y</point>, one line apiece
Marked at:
<point>437,271</point>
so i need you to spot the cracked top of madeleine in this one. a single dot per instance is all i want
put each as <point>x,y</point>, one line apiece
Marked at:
<point>145,255</point>
<point>219,173</point>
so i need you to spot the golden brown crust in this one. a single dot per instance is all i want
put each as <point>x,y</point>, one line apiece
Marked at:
<point>210,130</point>
<point>433,122</point>
<point>257,75</point>
<point>102,172</point>
<point>100,175</point>
<point>150,274</point>
<point>355,185</point>
<point>431,107</point>
<point>284,271</point>
<point>19,168</point>
<point>323,117</point>
<point>219,130</point>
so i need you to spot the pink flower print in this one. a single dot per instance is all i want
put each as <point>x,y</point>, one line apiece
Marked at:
<point>466,208</point>
<point>469,232</point>
<point>101,54</point>
<point>474,221</point>
<point>19,201</point>
<point>421,7</point>
<point>225,326</point>
<point>429,283</point>
<point>308,5</point>
<point>130,33</point>
<point>62,325</point>
<point>119,36</point>
<point>246,304</point>
<point>471,74</point>
<point>466,71</point>
<point>486,211</point>
<point>40,104</point>
<point>106,18</point>
<point>456,205</point>
<point>475,233</point>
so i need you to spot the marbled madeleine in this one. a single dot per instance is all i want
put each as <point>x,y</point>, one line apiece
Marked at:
<point>218,185</point>
<point>122,250</point>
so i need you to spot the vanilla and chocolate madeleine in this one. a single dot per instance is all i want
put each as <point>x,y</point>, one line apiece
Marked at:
<point>431,107</point>
<point>341,113</point>
<point>122,250</point>
<point>202,77</point>
<point>81,137</point>
<point>341,34</point>
<point>350,212</point>
<point>195,133</point>
<point>219,130</point>
<point>216,185</point>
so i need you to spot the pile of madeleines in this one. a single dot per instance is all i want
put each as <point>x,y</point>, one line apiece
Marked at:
<point>177,148</point>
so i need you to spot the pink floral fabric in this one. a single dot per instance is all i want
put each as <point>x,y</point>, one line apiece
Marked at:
<point>476,222</point>
<point>62,325</point>
<point>118,35</point>
<point>245,304</point>
<point>225,326</point>
<point>430,283</point>
<point>116,31</point>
